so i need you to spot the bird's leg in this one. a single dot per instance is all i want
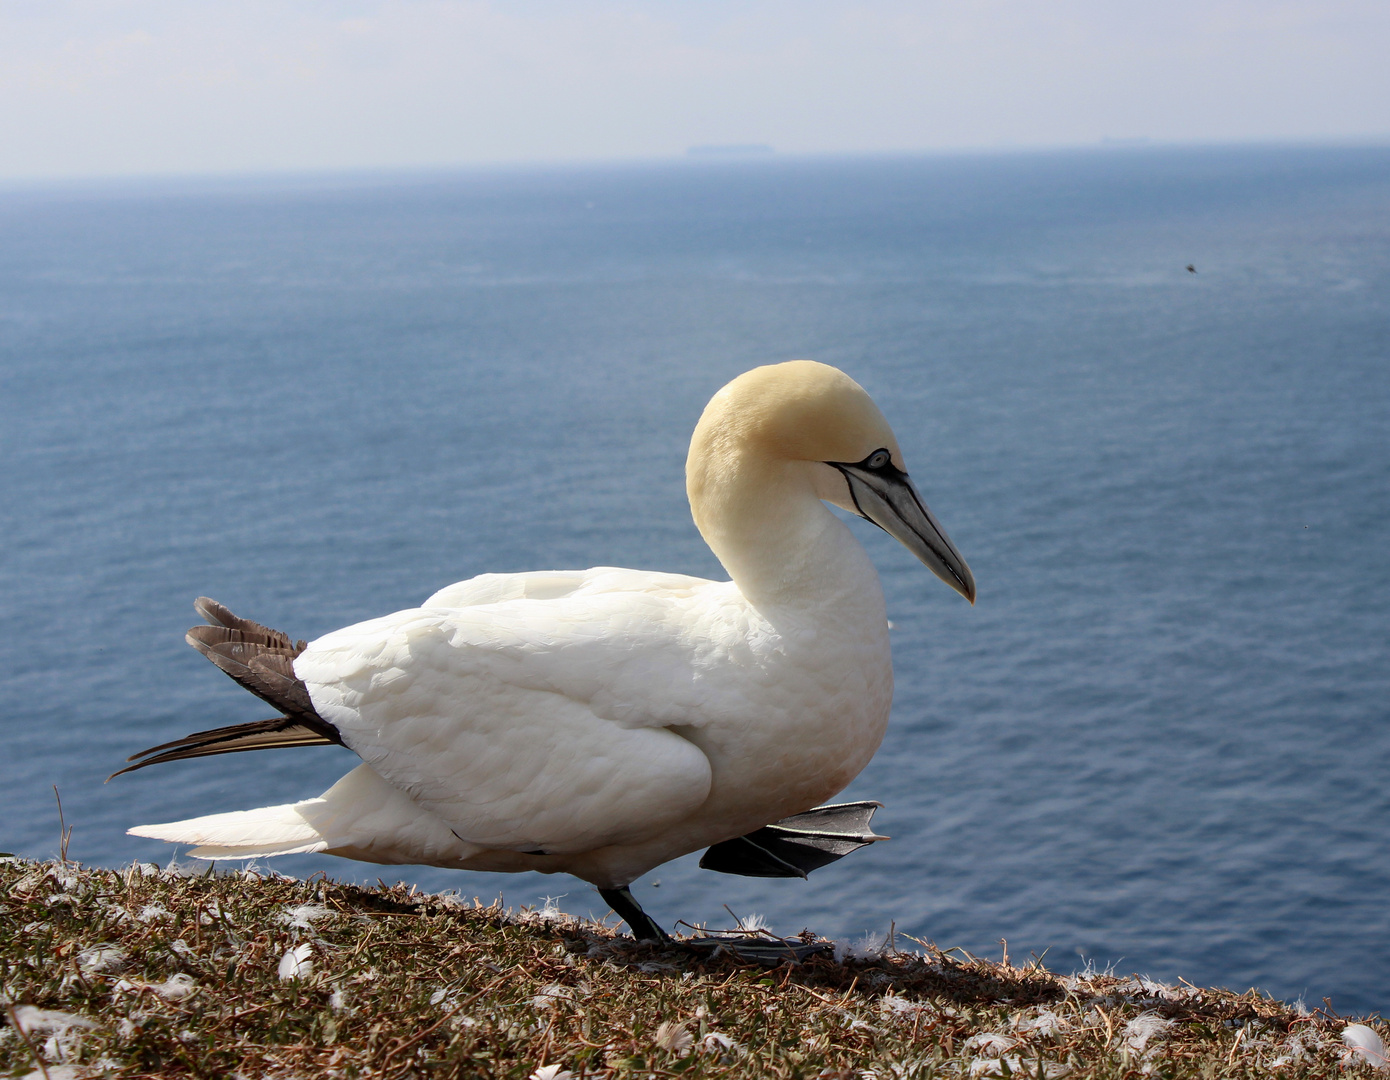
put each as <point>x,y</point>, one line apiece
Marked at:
<point>641,924</point>
<point>760,950</point>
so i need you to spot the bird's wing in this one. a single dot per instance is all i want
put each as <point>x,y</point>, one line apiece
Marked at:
<point>556,584</point>
<point>527,724</point>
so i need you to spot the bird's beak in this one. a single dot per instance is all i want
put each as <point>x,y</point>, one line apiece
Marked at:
<point>888,498</point>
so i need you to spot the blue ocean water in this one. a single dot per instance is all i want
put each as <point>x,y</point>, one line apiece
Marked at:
<point>1160,739</point>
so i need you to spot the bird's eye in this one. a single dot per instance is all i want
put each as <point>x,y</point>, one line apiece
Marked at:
<point>878,459</point>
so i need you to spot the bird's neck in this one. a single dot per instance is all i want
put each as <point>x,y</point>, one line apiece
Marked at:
<point>781,544</point>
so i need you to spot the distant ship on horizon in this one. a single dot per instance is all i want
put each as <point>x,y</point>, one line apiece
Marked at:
<point>729,150</point>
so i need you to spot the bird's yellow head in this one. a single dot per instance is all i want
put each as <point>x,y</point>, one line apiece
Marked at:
<point>797,411</point>
<point>784,417</point>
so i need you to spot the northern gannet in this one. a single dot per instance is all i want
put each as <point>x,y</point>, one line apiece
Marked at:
<point>601,722</point>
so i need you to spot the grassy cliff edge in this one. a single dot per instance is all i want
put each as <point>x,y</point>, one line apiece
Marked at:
<point>180,972</point>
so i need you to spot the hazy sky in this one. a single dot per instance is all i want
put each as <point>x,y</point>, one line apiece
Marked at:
<point>152,86</point>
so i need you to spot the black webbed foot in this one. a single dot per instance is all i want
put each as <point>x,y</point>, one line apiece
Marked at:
<point>758,949</point>
<point>795,846</point>
<point>751,946</point>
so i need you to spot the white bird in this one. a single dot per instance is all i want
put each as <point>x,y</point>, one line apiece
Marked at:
<point>601,722</point>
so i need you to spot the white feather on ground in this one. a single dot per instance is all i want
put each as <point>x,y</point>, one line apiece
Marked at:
<point>1364,1044</point>
<point>296,963</point>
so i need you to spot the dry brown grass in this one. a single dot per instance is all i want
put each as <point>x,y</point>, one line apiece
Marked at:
<point>180,976</point>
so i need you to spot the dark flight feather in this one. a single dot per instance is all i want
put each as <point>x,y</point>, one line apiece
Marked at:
<point>262,661</point>
<point>274,734</point>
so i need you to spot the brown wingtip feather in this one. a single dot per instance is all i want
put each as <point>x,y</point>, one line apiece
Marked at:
<point>280,732</point>
<point>257,657</point>
<point>261,660</point>
<point>219,615</point>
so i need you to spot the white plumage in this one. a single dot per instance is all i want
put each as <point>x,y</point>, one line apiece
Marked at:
<point>600,722</point>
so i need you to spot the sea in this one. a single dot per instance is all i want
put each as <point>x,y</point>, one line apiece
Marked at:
<point>1145,389</point>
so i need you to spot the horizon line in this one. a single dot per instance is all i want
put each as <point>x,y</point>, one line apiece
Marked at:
<point>702,157</point>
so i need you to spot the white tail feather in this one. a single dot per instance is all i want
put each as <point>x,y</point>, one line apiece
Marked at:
<point>360,817</point>
<point>241,834</point>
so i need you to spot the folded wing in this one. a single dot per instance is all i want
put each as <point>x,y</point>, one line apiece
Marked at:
<point>500,719</point>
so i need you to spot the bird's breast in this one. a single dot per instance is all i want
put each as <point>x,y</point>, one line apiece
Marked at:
<point>814,706</point>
